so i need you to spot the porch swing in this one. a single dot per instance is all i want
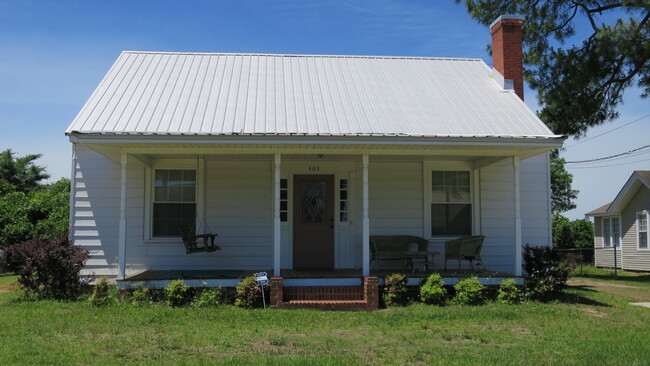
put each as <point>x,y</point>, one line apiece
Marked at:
<point>191,240</point>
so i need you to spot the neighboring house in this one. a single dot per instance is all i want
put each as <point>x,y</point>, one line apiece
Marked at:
<point>621,226</point>
<point>295,160</point>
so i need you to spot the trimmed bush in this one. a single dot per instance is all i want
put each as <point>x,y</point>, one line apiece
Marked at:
<point>432,291</point>
<point>209,297</point>
<point>141,296</point>
<point>395,291</point>
<point>178,293</point>
<point>47,268</point>
<point>100,296</point>
<point>547,271</point>
<point>508,292</point>
<point>469,291</point>
<point>248,295</point>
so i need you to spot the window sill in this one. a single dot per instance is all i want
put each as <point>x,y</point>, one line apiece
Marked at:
<point>163,241</point>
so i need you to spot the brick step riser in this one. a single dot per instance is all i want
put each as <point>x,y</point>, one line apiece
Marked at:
<point>323,293</point>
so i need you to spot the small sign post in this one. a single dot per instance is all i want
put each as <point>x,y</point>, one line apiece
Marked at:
<point>261,279</point>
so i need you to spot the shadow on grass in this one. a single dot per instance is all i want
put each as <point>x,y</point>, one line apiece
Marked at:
<point>573,298</point>
<point>611,276</point>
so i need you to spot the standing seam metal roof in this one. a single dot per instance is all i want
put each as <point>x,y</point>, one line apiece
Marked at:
<point>262,94</point>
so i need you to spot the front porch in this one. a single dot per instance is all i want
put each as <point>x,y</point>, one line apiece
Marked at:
<point>295,278</point>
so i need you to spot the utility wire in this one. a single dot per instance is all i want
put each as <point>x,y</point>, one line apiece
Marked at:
<point>608,157</point>
<point>606,132</point>
<point>610,165</point>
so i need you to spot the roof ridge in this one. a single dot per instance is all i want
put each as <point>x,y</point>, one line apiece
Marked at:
<point>475,59</point>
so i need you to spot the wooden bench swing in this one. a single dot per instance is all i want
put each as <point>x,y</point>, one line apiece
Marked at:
<point>192,242</point>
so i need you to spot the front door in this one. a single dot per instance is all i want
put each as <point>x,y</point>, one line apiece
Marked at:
<point>313,222</point>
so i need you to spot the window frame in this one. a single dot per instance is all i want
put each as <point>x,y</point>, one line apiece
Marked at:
<point>197,165</point>
<point>427,169</point>
<point>638,230</point>
<point>610,220</point>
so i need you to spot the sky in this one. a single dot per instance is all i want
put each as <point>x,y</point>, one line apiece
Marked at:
<point>54,53</point>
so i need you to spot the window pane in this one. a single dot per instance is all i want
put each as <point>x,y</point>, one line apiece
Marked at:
<point>344,195</point>
<point>438,194</point>
<point>283,216</point>
<point>344,206</point>
<point>344,184</point>
<point>463,179</point>
<point>344,216</point>
<point>607,232</point>
<point>189,193</point>
<point>169,217</point>
<point>643,221</point>
<point>313,202</point>
<point>451,219</point>
<point>283,184</point>
<point>452,194</point>
<point>283,194</point>
<point>450,178</point>
<point>283,205</point>
<point>189,177</point>
<point>643,240</point>
<point>437,178</point>
<point>463,194</point>
<point>615,233</point>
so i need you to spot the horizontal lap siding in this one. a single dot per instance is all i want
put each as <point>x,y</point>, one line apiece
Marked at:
<point>95,210</point>
<point>239,207</point>
<point>633,258</point>
<point>497,217</point>
<point>535,205</point>
<point>395,200</point>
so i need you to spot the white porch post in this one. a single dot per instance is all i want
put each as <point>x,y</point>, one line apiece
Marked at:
<point>366,221</point>
<point>515,169</point>
<point>121,252</point>
<point>276,216</point>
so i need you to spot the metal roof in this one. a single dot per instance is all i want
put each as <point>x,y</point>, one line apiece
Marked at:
<point>262,94</point>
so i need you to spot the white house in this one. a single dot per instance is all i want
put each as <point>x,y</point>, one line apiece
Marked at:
<point>258,148</point>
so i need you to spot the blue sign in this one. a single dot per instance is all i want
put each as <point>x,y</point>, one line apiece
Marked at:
<point>261,279</point>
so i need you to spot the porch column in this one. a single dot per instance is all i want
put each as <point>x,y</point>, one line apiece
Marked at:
<point>515,170</point>
<point>276,216</point>
<point>365,234</point>
<point>121,252</point>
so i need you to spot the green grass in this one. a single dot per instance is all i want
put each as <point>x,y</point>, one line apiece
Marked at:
<point>587,327</point>
<point>592,272</point>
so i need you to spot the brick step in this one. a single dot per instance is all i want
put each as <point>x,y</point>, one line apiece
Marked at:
<point>324,304</point>
<point>323,293</point>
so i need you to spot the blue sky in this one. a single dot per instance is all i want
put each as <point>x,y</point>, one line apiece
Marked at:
<point>54,53</point>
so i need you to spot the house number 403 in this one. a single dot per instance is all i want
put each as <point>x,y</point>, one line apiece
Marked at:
<point>314,168</point>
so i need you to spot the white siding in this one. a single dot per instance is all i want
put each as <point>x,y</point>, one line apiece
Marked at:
<point>633,258</point>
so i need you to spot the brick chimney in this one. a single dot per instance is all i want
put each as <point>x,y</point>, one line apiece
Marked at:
<point>507,54</point>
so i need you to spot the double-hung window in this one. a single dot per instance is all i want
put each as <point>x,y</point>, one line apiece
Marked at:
<point>642,229</point>
<point>174,201</point>
<point>451,204</point>
<point>611,232</point>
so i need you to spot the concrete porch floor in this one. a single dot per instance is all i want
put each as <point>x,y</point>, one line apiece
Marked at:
<point>337,277</point>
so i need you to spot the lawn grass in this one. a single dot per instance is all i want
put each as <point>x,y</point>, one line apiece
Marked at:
<point>607,274</point>
<point>587,327</point>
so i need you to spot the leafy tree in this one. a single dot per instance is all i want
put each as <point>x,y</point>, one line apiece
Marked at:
<point>42,213</point>
<point>569,234</point>
<point>579,85</point>
<point>21,172</point>
<point>562,195</point>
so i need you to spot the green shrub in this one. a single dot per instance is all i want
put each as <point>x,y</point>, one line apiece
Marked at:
<point>47,268</point>
<point>395,291</point>
<point>248,295</point>
<point>178,293</point>
<point>432,291</point>
<point>547,271</point>
<point>508,292</point>
<point>469,292</point>
<point>209,297</point>
<point>100,295</point>
<point>141,296</point>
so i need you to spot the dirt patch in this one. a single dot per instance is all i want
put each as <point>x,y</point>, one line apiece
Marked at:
<point>521,332</point>
<point>593,312</point>
<point>5,290</point>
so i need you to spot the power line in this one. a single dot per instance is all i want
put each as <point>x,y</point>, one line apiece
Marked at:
<point>610,165</point>
<point>606,132</point>
<point>608,157</point>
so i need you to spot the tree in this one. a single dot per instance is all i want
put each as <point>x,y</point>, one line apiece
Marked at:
<point>21,172</point>
<point>562,195</point>
<point>574,234</point>
<point>42,213</point>
<point>581,85</point>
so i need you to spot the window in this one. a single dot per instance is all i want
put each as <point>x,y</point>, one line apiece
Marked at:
<point>344,205</point>
<point>611,232</point>
<point>284,200</point>
<point>174,202</point>
<point>642,229</point>
<point>451,206</point>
